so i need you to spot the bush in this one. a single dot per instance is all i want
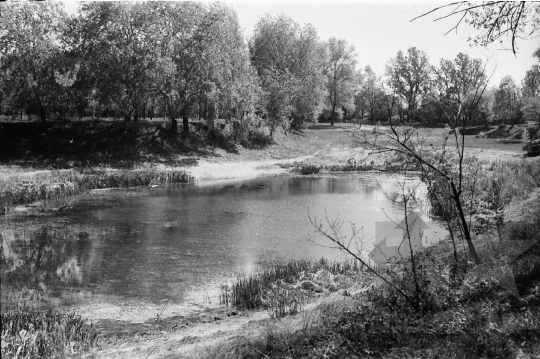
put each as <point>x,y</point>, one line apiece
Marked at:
<point>217,139</point>
<point>307,169</point>
<point>257,140</point>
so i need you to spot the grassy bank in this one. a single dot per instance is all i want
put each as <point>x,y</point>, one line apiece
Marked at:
<point>283,288</point>
<point>470,316</point>
<point>30,334</point>
<point>20,189</point>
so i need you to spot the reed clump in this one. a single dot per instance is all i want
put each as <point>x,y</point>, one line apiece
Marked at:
<point>282,288</point>
<point>31,334</point>
<point>17,190</point>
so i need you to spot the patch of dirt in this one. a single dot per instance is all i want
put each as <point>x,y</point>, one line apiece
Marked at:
<point>203,338</point>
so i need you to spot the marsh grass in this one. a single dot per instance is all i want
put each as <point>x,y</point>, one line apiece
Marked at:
<point>24,189</point>
<point>283,288</point>
<point>32,334</point>
<point>479,320</point>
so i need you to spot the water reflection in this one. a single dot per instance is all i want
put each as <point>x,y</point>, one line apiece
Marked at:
<point>153,245</point>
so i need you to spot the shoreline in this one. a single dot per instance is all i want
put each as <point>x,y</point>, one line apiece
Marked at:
<point>194,335</point>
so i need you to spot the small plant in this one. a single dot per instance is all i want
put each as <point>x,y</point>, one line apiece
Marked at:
<point>526,137</point>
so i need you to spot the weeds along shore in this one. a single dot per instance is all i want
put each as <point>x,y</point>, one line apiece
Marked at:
<point>284,288</point>
<point>31,334</point>
<point>24,189</point>
<point>466,314</point>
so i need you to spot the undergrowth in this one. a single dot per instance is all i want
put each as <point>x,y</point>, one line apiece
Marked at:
<point>468,316</point>
<point>32,334</point>
<point>283,288</point>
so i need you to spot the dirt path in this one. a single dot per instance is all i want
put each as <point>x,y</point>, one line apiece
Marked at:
<point>206,170</point>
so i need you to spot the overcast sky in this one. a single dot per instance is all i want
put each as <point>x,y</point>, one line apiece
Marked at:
<point>379,29</point>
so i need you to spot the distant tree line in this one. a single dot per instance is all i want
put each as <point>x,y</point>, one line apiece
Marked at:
<point>182,60</point>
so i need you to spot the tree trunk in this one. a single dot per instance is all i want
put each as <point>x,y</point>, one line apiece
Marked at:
<point>467,232</point>
<point>174,126</point>
<point>211,116</point>
<point>333,114</point>
<point>42,114</point>
<point>185,121</point>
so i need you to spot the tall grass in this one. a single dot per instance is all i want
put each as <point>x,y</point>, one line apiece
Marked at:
<point>281,287</point>
<point>21,189</point>
<point>31,334</point>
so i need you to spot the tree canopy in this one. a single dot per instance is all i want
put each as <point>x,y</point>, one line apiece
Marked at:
<point>189,60</point>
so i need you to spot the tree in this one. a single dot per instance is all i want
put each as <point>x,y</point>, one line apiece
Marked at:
<point>341,76</point>
<point>289,61</point>
<point>531,109</point>
<point>308,67</point>
<point>230,85</point>
<point>531,92</point>
<point>531,82</point>
<point>409,76</point>
<point>115,43</point>
<point>203,54</point>
<point>495,20</point>
<point>371,97</point>
<point>507,105</point>
<point>30,55</point>
<point>458,83</point>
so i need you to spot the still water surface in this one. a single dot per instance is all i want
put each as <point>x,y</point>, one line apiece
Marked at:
<point>121,251</point>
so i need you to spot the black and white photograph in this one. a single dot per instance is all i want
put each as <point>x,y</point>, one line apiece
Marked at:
<point>270,179</point>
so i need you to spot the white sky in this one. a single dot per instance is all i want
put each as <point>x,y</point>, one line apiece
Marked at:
<point>378,30</point>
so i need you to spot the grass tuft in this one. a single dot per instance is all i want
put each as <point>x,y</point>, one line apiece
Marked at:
<point>32,334</point>
<point>283,287</point>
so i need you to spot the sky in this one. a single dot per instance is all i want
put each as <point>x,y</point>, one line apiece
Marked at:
<point>379,29</point>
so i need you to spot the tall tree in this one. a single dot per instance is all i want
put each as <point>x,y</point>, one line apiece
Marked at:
<point>371,97</point>
<point>531,92</point>
<point>531,82</point>
<point>30,52</point>
<point>461,83</point>
<point>507,105</point>
<point>117,48</point>
<point>226,73</point>
<point>203,46</point>
<point>341,76</point>
<point>289,60</point>
<point>531,109</point>
<point>409,76</point>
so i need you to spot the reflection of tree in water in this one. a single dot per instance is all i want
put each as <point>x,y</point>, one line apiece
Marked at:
<point>48,259</point>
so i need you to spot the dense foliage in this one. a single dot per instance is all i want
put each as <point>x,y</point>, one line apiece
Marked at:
<point>188,60</point>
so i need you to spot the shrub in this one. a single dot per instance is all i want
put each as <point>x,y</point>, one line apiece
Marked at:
<point>308,169</point>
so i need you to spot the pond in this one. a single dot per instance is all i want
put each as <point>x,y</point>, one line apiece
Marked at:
<point>122,254</point>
